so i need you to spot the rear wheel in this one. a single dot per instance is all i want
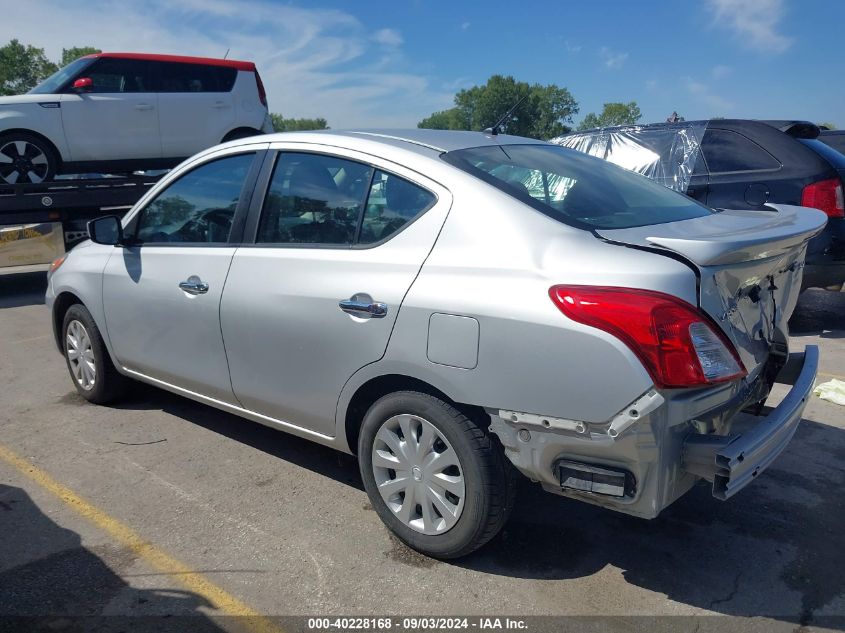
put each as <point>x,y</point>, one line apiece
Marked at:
<point>25,158</point>
<point>88,360</point>
<point>435,478</point>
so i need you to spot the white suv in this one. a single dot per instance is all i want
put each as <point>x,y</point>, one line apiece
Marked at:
<point>127,111</point>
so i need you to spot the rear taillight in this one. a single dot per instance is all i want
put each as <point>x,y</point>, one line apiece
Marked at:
<point>825,195</point>
<point>262,94</point>
<point>677,343</point>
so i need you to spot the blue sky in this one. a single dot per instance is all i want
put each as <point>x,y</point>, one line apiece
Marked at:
<point>388,64</point>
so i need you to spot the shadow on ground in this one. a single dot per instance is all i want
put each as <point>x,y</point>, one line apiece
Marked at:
<point>22,289</point>
<point>775,544</point>
<point>819,312</point>
<point>50,582</point>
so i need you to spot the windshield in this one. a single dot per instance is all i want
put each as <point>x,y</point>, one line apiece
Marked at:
<point>574,188</point>
<point>53,84</point>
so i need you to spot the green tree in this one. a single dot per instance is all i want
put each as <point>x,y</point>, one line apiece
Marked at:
<point>543,112</point>
<point>829,125</point>
<point>612,114</point>
<point>75,52</point>
<point>281,124</point>
<point>22,67</point>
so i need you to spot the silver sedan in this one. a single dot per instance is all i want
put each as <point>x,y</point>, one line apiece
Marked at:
<point>456,308</point>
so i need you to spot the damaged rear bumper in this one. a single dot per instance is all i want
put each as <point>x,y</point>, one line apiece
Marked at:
<point>731,462</point>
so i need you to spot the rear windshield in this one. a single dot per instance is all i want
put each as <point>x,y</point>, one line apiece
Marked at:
<point>574,188</point>
<point>834,157</point>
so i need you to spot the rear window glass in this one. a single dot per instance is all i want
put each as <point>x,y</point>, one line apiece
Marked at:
<point>834,157</point>
<point>179,77</point>
<point>574,188</point>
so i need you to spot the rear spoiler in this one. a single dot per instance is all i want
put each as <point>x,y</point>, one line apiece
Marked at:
<point>796,129</point>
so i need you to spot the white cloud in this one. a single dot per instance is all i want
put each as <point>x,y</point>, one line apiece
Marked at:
<point>572,48</point>
<point>388,37</point>
<point>651,84</point>
<point>755,22</point>
<point>720,71</point>
<point>702,93</point>
<point>466,25</point>
<point>612,59</point>
<point>314,62</point>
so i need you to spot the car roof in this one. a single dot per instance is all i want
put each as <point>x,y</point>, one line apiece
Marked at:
<point>420,140</point>
<point>204,61</point>
<point>793,127</point>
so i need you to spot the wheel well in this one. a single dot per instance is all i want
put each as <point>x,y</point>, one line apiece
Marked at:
<point>375,388</point>
<point>40,137</point>
<point>61,305</point>
<point>241,132</point>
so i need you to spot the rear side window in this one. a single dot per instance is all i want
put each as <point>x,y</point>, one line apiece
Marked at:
<point>179,77</point>
<point>726,151</point>
<point>199,207</point>
<point>574,188</point>
<point>314,199</point>
<point>111,74</point>
<point>392,203</point>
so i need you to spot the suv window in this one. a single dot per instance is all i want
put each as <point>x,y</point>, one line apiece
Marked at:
<point>392,203</point>
<point>727,151</point>
<point>574,188</point>
<point>180,77</point>
<point>198,208</point>
<point>110,74</point>
<point>314,199</point>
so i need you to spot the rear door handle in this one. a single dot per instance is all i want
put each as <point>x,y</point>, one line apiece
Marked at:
<point>193,285</point>
<point>143,106</point>
<point>364,308</point>
<point>220,104</point>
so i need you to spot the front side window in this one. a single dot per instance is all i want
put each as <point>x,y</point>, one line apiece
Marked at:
<point>574,188</point>
<point>199,207</point>
<point>314,199</point>
<point>392,203</point>
<point>110,74</point>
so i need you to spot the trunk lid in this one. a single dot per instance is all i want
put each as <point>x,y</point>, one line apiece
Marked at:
<point>750,265</point>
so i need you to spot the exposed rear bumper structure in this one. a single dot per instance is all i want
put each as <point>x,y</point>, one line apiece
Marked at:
<point>731,462</point>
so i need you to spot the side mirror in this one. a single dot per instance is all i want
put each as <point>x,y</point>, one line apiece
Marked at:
<point>106,230</point>
<point>83,84</point>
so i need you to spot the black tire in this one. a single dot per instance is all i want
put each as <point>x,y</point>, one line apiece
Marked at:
<point>488,477</point>
<point>108,384</point>
<point>239,134</point>
<point>45,170</point>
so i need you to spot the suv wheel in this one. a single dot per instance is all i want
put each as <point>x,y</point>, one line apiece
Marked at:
<point>88,360</point>
<point>438,481</point>
<point>25,158</point>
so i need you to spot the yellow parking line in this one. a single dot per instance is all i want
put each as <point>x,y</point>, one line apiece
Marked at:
<point>157,558</point>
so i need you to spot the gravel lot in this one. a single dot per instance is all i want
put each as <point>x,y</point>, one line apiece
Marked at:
<point>284,525</point>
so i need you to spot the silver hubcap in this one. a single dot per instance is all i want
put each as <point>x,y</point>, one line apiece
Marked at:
<point>80,355</point>
<point>418,474</point>
<point>21,161</point>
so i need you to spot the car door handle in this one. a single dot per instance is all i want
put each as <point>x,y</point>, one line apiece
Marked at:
<point>193,285</point>
<point>143,106</point>
<point>220,104</point>
<point>356,307</point>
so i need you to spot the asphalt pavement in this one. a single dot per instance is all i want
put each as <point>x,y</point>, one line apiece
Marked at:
<point>161,506</point>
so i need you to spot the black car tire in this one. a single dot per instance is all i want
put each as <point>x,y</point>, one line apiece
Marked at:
<point>488,478</point>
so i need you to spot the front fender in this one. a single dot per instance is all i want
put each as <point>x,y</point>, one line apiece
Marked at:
<point>42,118</point>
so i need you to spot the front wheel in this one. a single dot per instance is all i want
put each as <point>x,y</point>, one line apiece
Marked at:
<point>25,158</point>
<point>88,360</point>
<point>435,478</point>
